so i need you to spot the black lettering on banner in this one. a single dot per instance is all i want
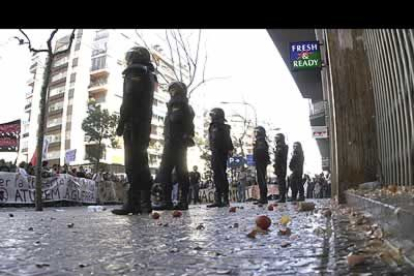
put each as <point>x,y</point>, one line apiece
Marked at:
<point>56,192</point>
<point>7,182</point>
<point>210,196</point>
<point>24,191</point>
<point>2,182</point>
<point>4,196</point>
<point>20,184</point>
<point>203,195</point>
<point>67,194</point>
<point>18,197</point>
<point>32,194</point>
<point>46,194</point>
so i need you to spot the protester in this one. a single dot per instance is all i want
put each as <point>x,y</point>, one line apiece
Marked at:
<point>241,187</point>
<point>22,171</point>
<point>194,185</point>
<point>3,166</point>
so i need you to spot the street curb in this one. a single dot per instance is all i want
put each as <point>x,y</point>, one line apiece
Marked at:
<point>397,223</point>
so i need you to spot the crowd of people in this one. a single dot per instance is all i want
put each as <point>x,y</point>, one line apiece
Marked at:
<point>27,169</point>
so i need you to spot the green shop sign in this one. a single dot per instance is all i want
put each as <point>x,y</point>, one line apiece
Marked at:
<point>305,55</point>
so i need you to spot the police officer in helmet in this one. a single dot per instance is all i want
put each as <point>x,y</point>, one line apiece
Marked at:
<point>178,136</point>
<point>135,127</point>
<point>221,148</point>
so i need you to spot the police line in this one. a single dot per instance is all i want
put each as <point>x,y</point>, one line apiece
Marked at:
<point>16,189</point>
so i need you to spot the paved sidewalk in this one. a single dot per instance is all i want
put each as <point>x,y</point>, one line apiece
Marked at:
<point>104,244</point>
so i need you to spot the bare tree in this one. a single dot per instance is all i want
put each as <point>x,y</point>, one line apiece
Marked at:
<point>42,122</point>
<point>186,65</point>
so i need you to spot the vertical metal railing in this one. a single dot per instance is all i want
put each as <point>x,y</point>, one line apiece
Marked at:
<point>390,54</point>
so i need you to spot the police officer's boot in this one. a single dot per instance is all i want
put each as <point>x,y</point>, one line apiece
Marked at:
<point>282,192</point>
<point>263,197</point>
<point>217,201</point>
<point>183,203</point>
<point>146,207</point>
<point>294,195</point>
<point>225,202</point>
<point>131,204</point>
<point>166,201</point>
<point>301,193</point>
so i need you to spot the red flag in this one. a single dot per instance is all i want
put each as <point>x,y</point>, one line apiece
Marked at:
<point>34,158</point>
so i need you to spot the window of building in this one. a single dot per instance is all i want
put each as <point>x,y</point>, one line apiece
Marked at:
<point>75,62</point>
<point>67,135</point>
<point>153,129</point>
<point>98,82</point>
<point>101,34</point>
<point>56,106</point>
<point>56,91</point>
<point>53,155</point>
<point>60,61</point>
<point>54,122</point>
<point>77,46</point>
<point>99,47</point>
<point>71,93</point>
<point>98,63</point>
<point>58,76</point>
<point>53,138</point>
<point>100,99</point>
<point>25,144</point>
<point>73,77</point>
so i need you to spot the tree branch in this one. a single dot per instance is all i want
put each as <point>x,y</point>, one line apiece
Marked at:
<point>171,53</point>
<point>179,54</point>
<point>49,41</point>
<point>71,38</point>
<point>186,51</point>
<point>195,62</point>
<point>21,41</point>
<point>203,82</point>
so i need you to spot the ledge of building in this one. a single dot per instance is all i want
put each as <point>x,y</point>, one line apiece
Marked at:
<point>397,222</point>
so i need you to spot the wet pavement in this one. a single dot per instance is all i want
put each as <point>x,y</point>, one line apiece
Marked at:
<point>73,241</point>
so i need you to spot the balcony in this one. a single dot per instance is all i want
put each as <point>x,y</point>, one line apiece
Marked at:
<point>55,127</point>
<point>157,137</point>
<point>53,112</point>
<point>57,96</point>
<point>98,86</point>
<point>99,72</point>
<point>30,82</point>
<point>25,134</point>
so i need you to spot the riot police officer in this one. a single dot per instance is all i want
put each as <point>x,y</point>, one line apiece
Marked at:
<point>280,166</point>
<point>262,159</point>
<point>135,126</point>
<point>221,148</point>
<point>296,166</point>
<point>178,136</point>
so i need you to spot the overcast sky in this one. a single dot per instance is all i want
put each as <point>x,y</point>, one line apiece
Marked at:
<point>254,73</point>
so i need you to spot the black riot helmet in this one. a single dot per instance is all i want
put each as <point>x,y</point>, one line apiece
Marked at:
<point>280,138</point>
<point>137,55</point>
<point>217,115</point>
<point>177,88</point>
<point>259,131</point>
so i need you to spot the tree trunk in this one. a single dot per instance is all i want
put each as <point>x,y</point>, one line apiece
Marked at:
<point>41,132</point>
<point>98,158</point>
